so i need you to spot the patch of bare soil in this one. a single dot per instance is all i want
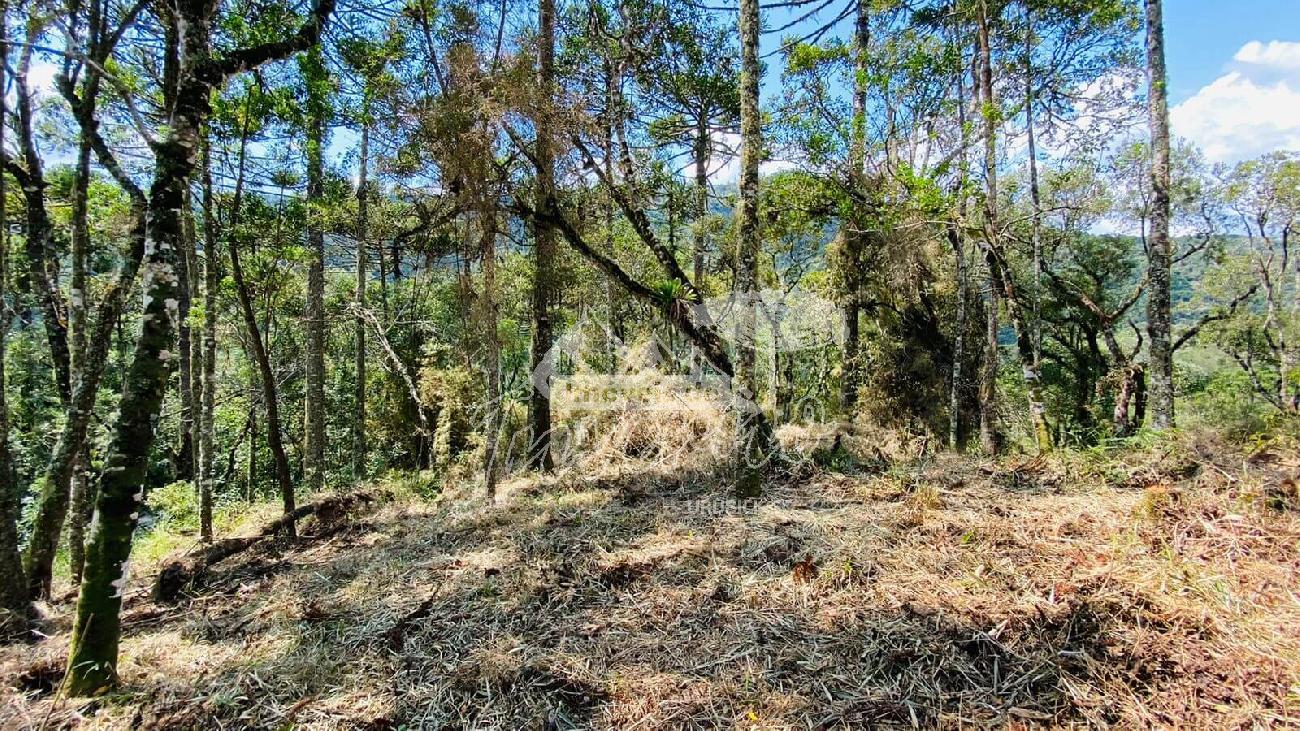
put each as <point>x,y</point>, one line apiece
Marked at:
<point>1137,590</point>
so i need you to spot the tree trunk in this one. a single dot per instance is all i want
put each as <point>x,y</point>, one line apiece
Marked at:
<point>1000,275</point>
<point>313,456</point>
<point>959,338</point>
<point>82,500</point>
<point>854,237</point>
<point>270,393</point>
<point>1158,297</point>
<point>42,272</point>
<point>96,629</point>
<point>184,260</point>
<point>14,607</point>
<point>754,435</point>
<point>989,439</point>
<point>68,451</point>
<point>257,349</point>
<point>92,658</point>
<point>488,221</point>
<point>539,402</point>
<point>207,400</point>
<point>359,301</point>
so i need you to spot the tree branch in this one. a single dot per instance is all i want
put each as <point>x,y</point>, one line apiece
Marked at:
<point>1222,313</point>
<point>246,59</point>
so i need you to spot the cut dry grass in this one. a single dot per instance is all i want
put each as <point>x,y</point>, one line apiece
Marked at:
<point>1124,590</point>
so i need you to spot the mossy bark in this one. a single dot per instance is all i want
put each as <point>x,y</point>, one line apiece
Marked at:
<point>96,630</point>
<point>56,483</point>
<point>754,432</point>
<point>208,388</point>
<point>92,658</point>
<point>1159,253</point>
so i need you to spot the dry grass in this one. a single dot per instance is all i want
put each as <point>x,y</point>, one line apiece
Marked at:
<point>1151,589</point>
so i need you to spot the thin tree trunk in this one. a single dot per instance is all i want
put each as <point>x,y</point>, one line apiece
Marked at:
<point>266,378</point>
<point>488,221</point>
<point>959,338</point>
<point>359,300</point>
<point>539,402</point>
<point>81,500</point>
<point>989,440</point>
<point>78,513</point>
<point>42,272</point>
<point>314,397</point>
<point>184,262</point>
<point>1000,276</point>
<point>611,292</point>
<point>754,436</point>
<point>851,372</point>
<point>265,375</point>
<point>1158,297</point>
<point>957,240</point>
<point>207,400</point>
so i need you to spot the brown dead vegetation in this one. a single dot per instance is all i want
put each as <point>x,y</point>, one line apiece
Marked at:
<point>1131,590</point>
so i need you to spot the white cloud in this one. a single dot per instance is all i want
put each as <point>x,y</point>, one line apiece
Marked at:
<point>1250,110</point>
<point>724,167</point>
<point>1276,54</point>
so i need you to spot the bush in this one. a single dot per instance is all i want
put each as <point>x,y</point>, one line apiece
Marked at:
<point>175,505</point>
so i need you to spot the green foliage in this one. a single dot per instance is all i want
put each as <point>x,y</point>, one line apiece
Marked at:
<point>176,505</point>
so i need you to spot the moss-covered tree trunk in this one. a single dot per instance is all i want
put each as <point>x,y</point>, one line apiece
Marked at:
<point>1158,252</point>
<point>96,630</point>
<point>208,388</point>
<point>92,659</point>
<point>754,433</point>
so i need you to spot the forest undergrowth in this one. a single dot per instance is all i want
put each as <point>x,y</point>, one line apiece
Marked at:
<point>873,585</point>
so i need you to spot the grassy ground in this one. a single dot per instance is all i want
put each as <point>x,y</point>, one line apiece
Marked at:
<point>1151,588</point>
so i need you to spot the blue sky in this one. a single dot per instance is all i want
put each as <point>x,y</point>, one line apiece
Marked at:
<point>1201,36</point>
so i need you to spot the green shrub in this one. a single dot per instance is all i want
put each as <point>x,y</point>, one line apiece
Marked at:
<point>176,505</point>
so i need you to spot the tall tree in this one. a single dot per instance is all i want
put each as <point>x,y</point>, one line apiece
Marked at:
<point>257,347</point>
<point>1158,247</point>
<point>208,390</point>
<point>1001,276</point>
<point>316,78</point>
<point>359,294</point>
<point>539,401</point>
<point>851,377</point>
<point>68,462</point>
<point>96,630</point>
<point>754,435</point>
<point>13,584</point>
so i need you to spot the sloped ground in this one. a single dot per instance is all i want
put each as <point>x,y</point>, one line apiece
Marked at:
<point>1149,589</point>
